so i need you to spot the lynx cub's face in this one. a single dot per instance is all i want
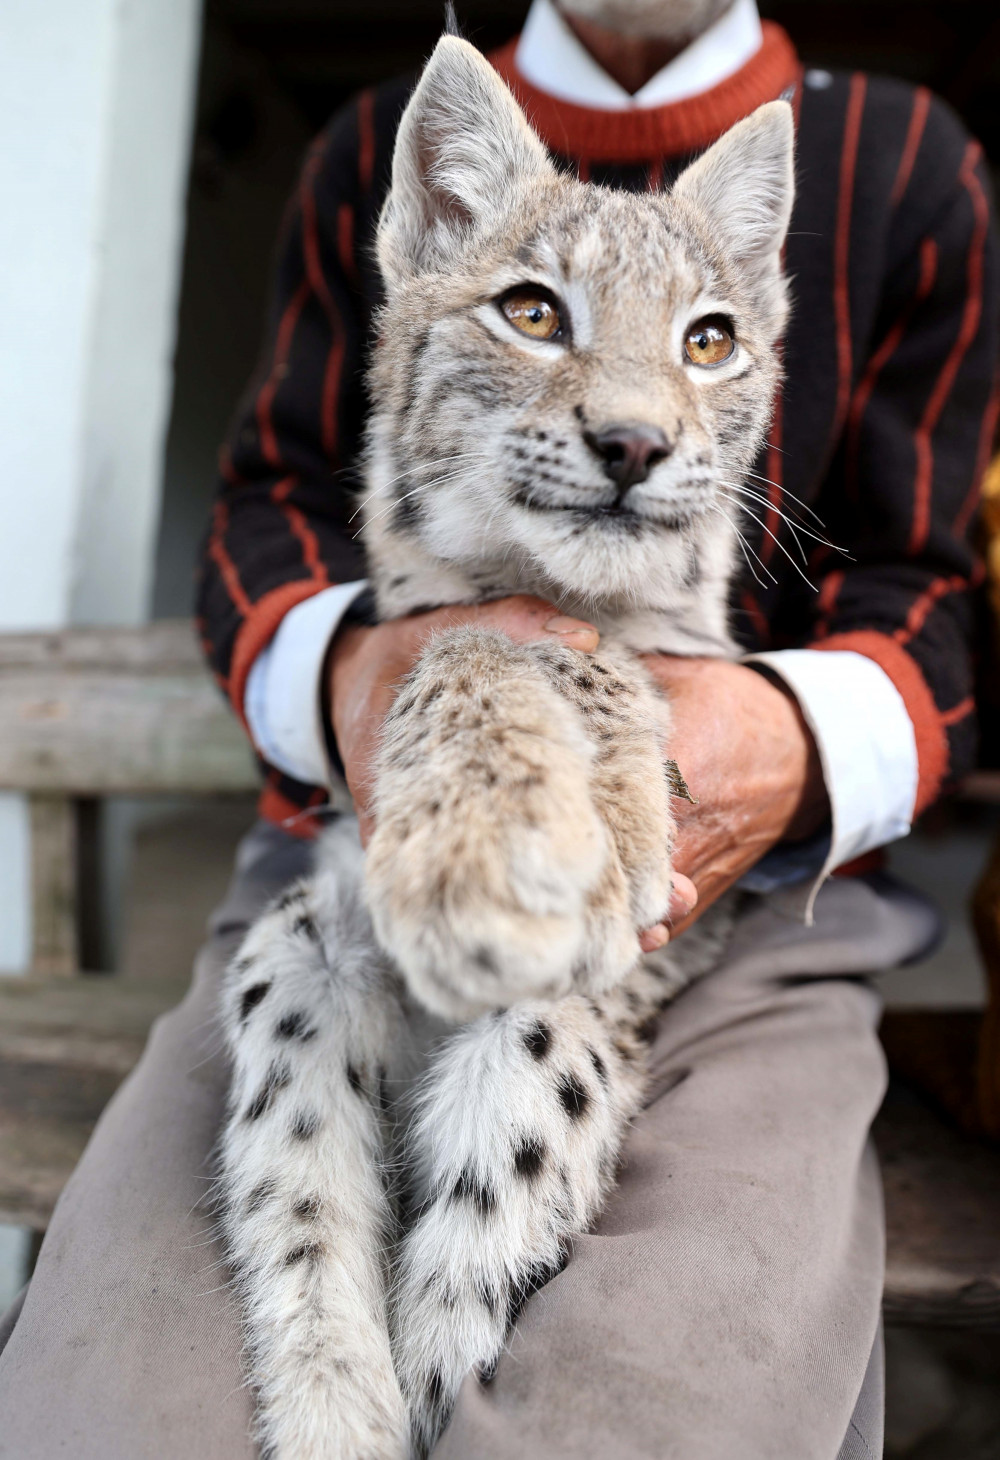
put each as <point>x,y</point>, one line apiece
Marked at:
<point>567,377</point>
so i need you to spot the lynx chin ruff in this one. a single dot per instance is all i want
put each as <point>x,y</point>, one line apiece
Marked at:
<point>437,1048</point>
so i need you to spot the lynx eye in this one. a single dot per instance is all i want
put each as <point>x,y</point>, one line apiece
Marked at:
<point>533,311</point>
<point>710,341</point>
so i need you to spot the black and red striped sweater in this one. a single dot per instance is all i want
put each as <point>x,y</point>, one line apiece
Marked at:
<point>884,426</point>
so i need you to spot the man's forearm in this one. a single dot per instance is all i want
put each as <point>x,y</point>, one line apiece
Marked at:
<point>750,761</point>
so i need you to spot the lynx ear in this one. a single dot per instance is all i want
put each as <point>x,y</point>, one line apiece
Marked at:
<point>745,186</point>
<point>462,149</point>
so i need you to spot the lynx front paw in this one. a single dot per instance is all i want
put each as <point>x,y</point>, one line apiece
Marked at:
<point>487,843</point>
<point>627,723</point>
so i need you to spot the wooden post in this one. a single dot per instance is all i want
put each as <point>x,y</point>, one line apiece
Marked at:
<point>55,948</point>
<point>986,922</point>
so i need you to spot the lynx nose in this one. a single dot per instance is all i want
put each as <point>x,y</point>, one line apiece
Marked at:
<point>628,453</point>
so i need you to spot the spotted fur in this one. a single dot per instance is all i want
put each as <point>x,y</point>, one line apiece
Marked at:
<point>437,1048</point>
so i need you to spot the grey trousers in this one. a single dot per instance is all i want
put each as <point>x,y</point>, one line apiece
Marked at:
<point>727,1305</point>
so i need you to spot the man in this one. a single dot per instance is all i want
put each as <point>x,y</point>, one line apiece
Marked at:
<point>728,1302</point>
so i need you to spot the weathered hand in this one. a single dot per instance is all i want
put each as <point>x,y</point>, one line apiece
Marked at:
<point>366,666</point>
<point>750,761</point>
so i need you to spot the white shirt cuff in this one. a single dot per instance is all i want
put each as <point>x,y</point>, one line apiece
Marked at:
<point>866,743</point>
<point>282,699</point>
<point>551,57</point>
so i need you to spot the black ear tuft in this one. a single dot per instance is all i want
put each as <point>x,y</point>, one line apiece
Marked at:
<point>451,25</point>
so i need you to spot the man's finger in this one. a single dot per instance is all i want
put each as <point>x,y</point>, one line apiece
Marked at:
<point>524,619</point>
<point>683,898</point>
<point>366,825</point>
<point>654,937</point>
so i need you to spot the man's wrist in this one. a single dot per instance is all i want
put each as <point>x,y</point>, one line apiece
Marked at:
<point>340,651</point>
<point>812,811</point>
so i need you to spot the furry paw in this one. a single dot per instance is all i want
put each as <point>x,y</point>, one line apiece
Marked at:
<point>487,842</point>
<point>627,722</point>
<point>314,1035</point>
<point>344,1413</point>
<point>515,1139</point>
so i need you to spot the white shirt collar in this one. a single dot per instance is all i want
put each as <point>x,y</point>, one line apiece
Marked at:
<point>551,57</point>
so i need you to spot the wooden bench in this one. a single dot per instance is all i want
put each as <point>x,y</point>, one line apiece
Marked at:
<point>65,1046</point>
<point>87,715</point>
<point>92,713</point>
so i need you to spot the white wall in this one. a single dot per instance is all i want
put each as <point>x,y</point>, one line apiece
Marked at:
<point>132,328</point>
<point>55,80</point>
<point>96,102</point>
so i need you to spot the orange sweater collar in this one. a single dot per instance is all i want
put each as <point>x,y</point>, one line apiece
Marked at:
<point>646,133</point>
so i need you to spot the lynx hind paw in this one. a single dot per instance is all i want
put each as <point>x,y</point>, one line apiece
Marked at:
<point>487,841</point>
<point>347,1416</point>
<point>516,1139</point>
<point>313,1034</point>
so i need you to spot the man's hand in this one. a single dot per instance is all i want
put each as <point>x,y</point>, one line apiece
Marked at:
<point>751,763</point>
<point>366,666</point>
<point>740,741</point>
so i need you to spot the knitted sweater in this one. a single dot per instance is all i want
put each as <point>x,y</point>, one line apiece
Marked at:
<point>884,425</point>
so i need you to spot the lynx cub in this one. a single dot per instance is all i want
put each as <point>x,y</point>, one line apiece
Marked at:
<point>568,380</point>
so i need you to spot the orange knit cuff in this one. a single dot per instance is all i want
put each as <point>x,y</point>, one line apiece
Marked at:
<point>259,628</point>
<point>902,669</point>
<point>277,808</point>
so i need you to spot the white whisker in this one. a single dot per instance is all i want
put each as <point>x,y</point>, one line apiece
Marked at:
<point>788,496</point>
<point>745,547</point>
<point>769,506</point>
<point>742,505</point>
<point>794,527</point>
<point>424,487</point>
<point>419,466</point>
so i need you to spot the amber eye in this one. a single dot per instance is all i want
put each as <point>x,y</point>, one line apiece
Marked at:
<point>533,312</point>
<point>710,341</point>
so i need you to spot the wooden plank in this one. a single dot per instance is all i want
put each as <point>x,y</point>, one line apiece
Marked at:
<point>986,922</point>
<point>116,711</point>
<point>980,786</point>
<point>934,1051</point>
<point>110,1014</point>
<point>160,646</point>
<point>47,1113</point>
<point>942,1198</point>
<point>53,885</point>
<point>65,1046</point>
